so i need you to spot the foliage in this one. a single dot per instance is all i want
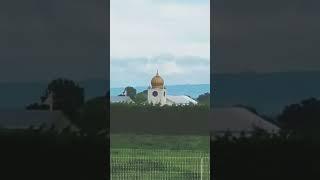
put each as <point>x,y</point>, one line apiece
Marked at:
<point>264,156</point>
<point>204,99</point>
<point>302,118</point>
<point>131,91</point>
<point>159,141</point>
<point>129,107</point>
<point>37,106</point>
<point>30,154</point>
<point>145,118</point>
<point>141,97</point>
<point>92,117</point>
<point>290,154</point>
<point>67,97</point>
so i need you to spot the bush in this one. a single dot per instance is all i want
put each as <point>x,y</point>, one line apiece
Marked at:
<point>93,117</point>
<point>264,157</point>
<point>132,107</point>
<point>33,155</point>
<point>138,118</point>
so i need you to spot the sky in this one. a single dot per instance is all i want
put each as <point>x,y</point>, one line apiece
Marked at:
<point>46,39</point>
<point>169,35</point>
<point>266,36</point>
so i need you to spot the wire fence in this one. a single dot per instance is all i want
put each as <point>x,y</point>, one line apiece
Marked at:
<point>142,164</point>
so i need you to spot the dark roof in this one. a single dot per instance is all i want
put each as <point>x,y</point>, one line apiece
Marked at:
<point>237,120</point>
<point>23,119</point>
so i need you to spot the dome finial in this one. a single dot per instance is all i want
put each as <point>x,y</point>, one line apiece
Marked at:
<point>157,81</point>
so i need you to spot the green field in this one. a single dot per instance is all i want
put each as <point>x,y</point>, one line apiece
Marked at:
<point>148,157</point>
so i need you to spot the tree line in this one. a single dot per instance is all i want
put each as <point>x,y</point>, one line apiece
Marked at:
<point>68,97</point>
<point>142,97</point>
<point>293,153</point>
<point>300,118</point>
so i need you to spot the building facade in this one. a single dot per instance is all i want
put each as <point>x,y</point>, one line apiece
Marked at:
<point>157,94</point>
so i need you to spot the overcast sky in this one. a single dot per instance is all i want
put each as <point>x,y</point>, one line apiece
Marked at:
<point>169,35</point>
<point>45,39</point>
<point>266,36</point>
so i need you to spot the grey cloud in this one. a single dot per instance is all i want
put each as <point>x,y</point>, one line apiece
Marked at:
<point>183,61</point>
<point>123,70</point>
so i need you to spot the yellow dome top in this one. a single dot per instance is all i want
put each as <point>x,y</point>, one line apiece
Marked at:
<point>157,81</point>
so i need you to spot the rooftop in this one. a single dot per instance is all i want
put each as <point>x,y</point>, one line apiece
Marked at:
<point>23,119</point>
<point>238,119</point>
<point>181,99</point>
<point>120,99</point>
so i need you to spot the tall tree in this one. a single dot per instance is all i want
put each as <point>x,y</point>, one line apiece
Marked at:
<point>204,99</point>
<point>302,118</point>
<point>131,91</point>
<point>93,115</point>
<point>141,97</point>
<point>67,96</point>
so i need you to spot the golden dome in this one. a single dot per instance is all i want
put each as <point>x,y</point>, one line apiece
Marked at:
<point>157,81</point>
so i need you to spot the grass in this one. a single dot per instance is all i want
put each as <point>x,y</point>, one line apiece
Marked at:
<point>145,156</point>
<point>149,141</point>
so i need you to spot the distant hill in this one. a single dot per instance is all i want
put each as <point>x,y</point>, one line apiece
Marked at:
<point>267,93</point>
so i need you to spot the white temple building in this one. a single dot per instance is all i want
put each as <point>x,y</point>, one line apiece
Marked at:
<point>50,119</point>
<point>120,99</point>
<point>237,120</point>
<point>157,94</point>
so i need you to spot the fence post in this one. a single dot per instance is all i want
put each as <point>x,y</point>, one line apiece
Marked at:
<point>201,168</point>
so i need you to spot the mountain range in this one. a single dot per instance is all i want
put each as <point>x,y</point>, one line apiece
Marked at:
<point>268,93</point>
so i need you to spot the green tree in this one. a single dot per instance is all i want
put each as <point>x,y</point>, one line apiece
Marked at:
<point>93,115</point>
<point>204,99</point>
<point>131,91</point>
<point>66,94</point>
<point>141,97</point>
<point>36,106</point>
<point>302,118</point>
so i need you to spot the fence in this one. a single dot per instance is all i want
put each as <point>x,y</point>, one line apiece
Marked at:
<point>142,164</point>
